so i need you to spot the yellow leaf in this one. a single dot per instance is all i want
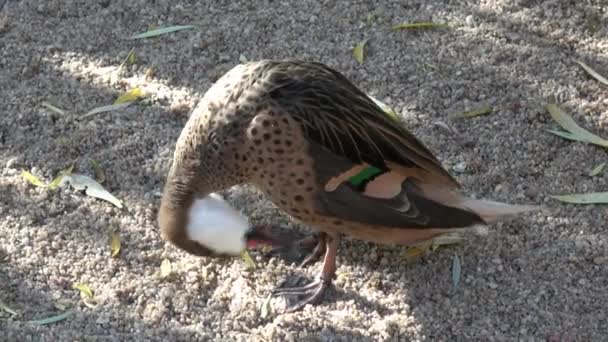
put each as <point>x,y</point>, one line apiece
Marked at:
<point>129,96</point>
<point>100,175</point>
<point>165,268</point>
<point>359,51</point>
<point>30,178</point>
<point>248,260</point>
<point>114,244</point>
<point>57,181</point>
<point>84,289</point>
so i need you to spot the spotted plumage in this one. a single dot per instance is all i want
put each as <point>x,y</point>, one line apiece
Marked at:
<point>323,152</point>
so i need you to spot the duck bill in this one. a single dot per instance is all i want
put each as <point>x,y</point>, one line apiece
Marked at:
<point>259,236</point>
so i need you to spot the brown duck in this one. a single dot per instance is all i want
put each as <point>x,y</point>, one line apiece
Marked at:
<point>323,152</point>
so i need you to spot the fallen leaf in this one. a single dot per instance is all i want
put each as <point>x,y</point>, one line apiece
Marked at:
<point>417,26</point>
<point>59,179</point>
<point>593,73</point>
<point>243,59</point>
<point>52,108</point>
<point>588,198</point>
<point>114,244</point>
<point>165,268</point>
<point>248,260</point>
<point>369,20</point>
<point>8,309</point>
<point>386,108</point>
<point>456,269</point>
<point>567,135</point>
<point>359,51</point>
<point>84,289</point>
<point>30,178</point>
<point>104,109</point>
<point>161,31</point>
<point>131,57</point>
<point>266,307</point>
<point>477,112</point>
<point>89,302</point>
<point>130,96</point>
<point>571,126</point>
<point>92,188</point>
<point>53,319</point>
<point>100,175</point>
<point>596,170</point>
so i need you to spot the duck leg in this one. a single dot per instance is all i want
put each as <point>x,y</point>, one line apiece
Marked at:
<point>263,235</point>
<point>313,292</point>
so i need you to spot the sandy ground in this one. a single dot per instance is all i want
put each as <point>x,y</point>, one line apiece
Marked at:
<point>542,276</point>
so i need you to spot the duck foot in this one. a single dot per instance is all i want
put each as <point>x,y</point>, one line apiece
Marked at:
<point>314,291</point>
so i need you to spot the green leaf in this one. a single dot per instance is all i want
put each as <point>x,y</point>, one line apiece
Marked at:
<point>456,269</point>
<point>248,260</point>
<point>597,170</point>
<point>359,51</point>
<point>84,289</point>
<point>165,268</point>
<point>477,112</point>
<point>417,26</point>
<point>100,175</point>
<point>92,188</point>
<point>30,178</point>
<point>566,135</point>
<point>8,309</point>
<point>53,319</point>
<point>104,109</point>
<point>588,198</point>
<point>131,57</point>
<point>130,96</point>
<point>593,73</point>
<point>114,244</point>
<point>571,126</point>
<point>57,181</point>
<point>161,31</point>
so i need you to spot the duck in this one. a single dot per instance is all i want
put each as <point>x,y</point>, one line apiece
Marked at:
<point>324,153</point>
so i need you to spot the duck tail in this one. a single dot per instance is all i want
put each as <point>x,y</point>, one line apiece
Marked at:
<point>491,211</point>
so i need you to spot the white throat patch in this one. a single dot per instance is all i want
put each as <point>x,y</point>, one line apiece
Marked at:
<point>216,225</point>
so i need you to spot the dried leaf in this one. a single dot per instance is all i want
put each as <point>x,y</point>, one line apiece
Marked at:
<point>165,268</point>
<point>593,73</point>
<point>161,31</point>
<point>571,126</point>
<point>84,289</point>
<point>100,175</point>
<point>359,51</point>
<point>53,319</point>
<point>89,302</point>
<point>92,188</point>
<point>386,108</point>
<point>248,260</point>
<point>456,269</point>
<point>588,198</point>
<point>52,108</point>
<point>597,170</point>
<point>114,244</point>
<point>477,112</point>
<point>104,109</point>
<point>243,59</point>
<point>369,20</point>
<point>60,177</point>
<point>417,26</point>
<point>130,96</point>
<point>30,178</point>
<point>8,309</point>
<point>266,307</point>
